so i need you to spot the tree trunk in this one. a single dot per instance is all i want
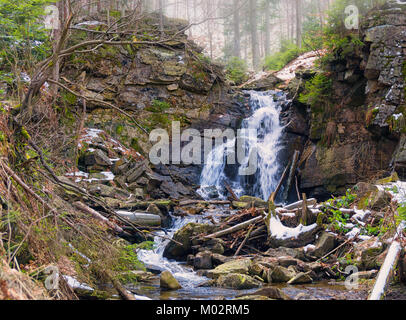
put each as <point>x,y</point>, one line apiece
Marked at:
<point>267,28</point>
<point>236,25</point>
<point>298,23</point>
<point>254,33</point>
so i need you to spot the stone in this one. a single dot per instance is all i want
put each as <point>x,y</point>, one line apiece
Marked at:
<point>168,281</point>
<point>259,203</point>
<point>272,293</point>
<point>184,236</point>
<point>203,260</point>
<point>280,274</point>
<point>301,278</point>
<point>239,205</point>
<point>240,266</point>
<point>136,172</point>
<point>237,281</point>
<point>379,199</point>
<point>325,243</point>
<point>252,298</point>
<point>219,259</point>
<point>286,261</point>
<point>97,157</point>
<point>173,87</point>
<point>110,192</point>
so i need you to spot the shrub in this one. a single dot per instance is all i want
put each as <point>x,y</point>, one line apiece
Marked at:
<point>318,92</point>
<point>236,70</point>
<point>277,61</point>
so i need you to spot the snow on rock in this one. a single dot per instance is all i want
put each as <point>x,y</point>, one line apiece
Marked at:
<point>281,232</point>
<point>305,61</point>
<point>75,284</point>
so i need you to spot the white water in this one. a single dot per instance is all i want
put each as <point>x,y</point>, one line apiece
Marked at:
<point>265,120</point>
<point>154,258</point>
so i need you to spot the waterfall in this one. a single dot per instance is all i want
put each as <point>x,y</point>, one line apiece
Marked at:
<point>265,120</point>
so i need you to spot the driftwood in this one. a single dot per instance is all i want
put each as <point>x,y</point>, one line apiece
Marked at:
<point>297,189</point>
<point>231,192</point>
<point>291,175</point>
<point>84,208</point>
<point>244,241</point>
<point>387,269</point>
<point>299,204</point>
<point>235,228</point>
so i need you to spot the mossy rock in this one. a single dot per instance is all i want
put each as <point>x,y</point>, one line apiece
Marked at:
<point>180,250</point>
<point>240,266</point>
<point>392,178</point>
<point>237,281</point>
<point>168,281</point>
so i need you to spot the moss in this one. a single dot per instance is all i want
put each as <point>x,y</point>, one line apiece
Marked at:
<point>69,98</point>
<point>158,106</point>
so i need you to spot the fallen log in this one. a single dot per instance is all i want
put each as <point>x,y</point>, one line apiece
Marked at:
<point>141,218</point>
<point>299,204</point>
<point>84,208</point>
<point>234,228</point>
<point>387,269</point>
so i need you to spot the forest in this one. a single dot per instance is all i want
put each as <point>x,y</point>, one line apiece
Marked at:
<point>231,150</point>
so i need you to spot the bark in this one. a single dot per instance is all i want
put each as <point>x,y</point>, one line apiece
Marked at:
<point>236,27</point>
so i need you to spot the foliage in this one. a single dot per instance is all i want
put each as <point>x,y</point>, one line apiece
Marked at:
<point>236,70</point>
<point>288,52</point>
<point>24,39</point>
<point>158,106</point>
<point>318,91</point>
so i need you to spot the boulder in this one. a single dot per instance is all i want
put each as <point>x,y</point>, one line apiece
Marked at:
<point>97,157</point>
<point>301,278</point>
<point>325,243</point>
<point>271,292</point>
<point>367,253</point>
<point>203,260</point>
<point>136,172</point>
<point>184,236</point>
<point>280,274</point>
<point>379,199</point>
<point>109,192</point>
<point>240,266</point>
<point>168,281</point>
<point>237,281</point>
<point>259,203</point>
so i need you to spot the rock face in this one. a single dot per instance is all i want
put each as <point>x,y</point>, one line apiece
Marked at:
<point>368,87</point>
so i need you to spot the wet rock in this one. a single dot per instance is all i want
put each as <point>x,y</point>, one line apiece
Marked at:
<point>211,192</point>
<point>168,281</point>
<point>219,259</point>
<point>304,296</point>
<point>280,274</point>
<point>240,266</point>
<point>184,236</point>
<point>325,243</point>
<point>272,293</point>
<point>237,281</point>
<point>283,251</point>
<point>259,270</point>
<point>268,81</point>
<point>214,246</point>
<point>203,260</point>
<point>301,278</point>
<point>252,298</point>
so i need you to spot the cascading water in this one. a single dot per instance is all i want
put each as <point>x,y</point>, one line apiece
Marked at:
<point>265,120</point>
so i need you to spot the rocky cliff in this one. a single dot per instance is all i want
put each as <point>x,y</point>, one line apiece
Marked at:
<point>359,132</point>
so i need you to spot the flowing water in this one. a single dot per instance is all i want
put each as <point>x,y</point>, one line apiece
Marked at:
<point>266,144</point>
<point>265,120</point>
